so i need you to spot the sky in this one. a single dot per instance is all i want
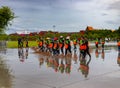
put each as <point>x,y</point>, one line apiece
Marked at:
<point>63,15</point>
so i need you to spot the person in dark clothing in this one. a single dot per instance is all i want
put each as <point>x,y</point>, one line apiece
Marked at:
<point>87,47</point>
<point>19,42</point>
<point>55,46</point>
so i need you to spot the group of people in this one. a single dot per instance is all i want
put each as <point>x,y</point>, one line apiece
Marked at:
<point>63,45</point>
<point>22,43</point>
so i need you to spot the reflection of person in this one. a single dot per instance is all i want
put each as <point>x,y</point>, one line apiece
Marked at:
<point>61,66</point>
<point>41,61</point>
<point>21,54</point>
<point>96,53</point>
<point>75,58</point>
<point>84,66</point>
<point>118,59</point>
<point>26,53</point>
<point>56,64</point>
<point>103,54</point>
<point>68,65</point>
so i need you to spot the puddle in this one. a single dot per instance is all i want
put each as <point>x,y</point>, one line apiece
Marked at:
<point>19,64</point>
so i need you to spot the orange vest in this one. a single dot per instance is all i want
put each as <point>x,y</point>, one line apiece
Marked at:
<point>50,45</point>
<point>118,43</point>
<point>74,42</point>
<point>66,46</point>
<point>60,45</point>
<point>55,45</point>
<point>40,43</point>
<point>83,47</point>
<point>103,42</point>
<point>96,42</point>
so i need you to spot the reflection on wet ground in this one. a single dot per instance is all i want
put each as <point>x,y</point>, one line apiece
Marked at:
<point>23,63</point>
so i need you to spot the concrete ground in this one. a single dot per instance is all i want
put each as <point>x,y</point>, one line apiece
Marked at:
<point>107,80</point>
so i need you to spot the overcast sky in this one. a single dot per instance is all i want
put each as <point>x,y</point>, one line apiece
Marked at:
<point>66,15</point>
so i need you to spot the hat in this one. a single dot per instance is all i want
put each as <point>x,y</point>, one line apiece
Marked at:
<point>47,38</point>
<point>55,38</point>
<point>61,36</point>
<point>67,37</point>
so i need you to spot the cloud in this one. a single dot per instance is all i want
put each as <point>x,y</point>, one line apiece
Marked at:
<point>67,15</point>
<point>104,14</point>
<point>115,5</point>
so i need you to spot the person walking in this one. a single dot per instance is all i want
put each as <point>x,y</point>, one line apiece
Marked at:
<point>41,42</point>
<point>118,44</point>
<point>82,48</point>
<point>55,46</point>
<point>103,42</point>
<point>96,43</point>
<point>67,45</point>
<point>61,44</point>
<point>87,47</point>
<point>75,44</point>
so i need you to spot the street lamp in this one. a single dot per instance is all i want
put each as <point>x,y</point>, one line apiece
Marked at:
<point>54,28</point>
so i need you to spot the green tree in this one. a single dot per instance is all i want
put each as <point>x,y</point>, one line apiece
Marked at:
<point>6,16</point>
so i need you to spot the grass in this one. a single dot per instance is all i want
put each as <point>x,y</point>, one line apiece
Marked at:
<point>14,44</point>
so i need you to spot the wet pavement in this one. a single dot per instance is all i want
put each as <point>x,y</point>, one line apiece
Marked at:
<point>22,68</point>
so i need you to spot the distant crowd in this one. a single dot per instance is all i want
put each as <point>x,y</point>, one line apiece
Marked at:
<point>61,45</point>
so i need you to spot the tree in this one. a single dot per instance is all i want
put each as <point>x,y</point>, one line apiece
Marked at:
<point>6,16</point>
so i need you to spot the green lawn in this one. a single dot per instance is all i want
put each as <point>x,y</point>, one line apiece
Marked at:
<point>14,44</point>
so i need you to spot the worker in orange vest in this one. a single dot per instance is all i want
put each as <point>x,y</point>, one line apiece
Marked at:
<point>41,44</point>
<point>87,47</point>
<point>49,44</point>
<point>55,46</point>
<point>82,47</point>
<point>61,44</point>
<point>67,45</point>
<point>103,42</point>
<point>118,59</point>
<point>118,44</point>
<point>75,43</point>
<point>96,43</point>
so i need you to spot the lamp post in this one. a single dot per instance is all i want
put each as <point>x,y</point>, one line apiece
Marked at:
<point>54,28</point>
